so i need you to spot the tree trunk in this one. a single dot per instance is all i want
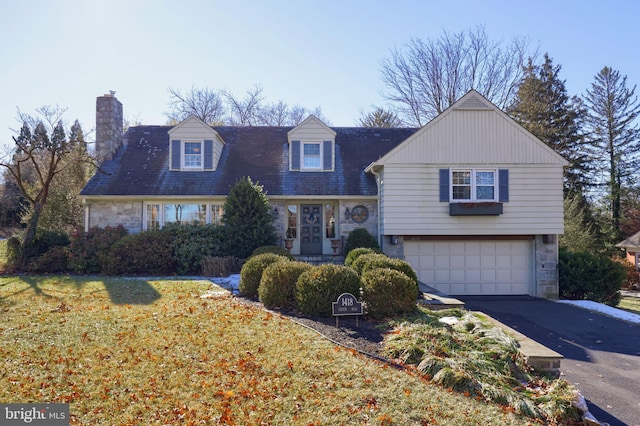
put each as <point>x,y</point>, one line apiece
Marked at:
<point>30,233</point>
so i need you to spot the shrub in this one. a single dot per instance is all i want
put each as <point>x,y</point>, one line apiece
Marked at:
<point>45,240</point>
<point>273,249</point>
<point>321,285</point>
<point>360,237</point>
<point>361,261</point>
<point>633,277</point>
<point>14,248</point>
<point>56,259</point>
<point>220,266</point>
<point>192,243</point>
<point>146,253</point>
<point>90,250</point>
<point>357,252</point>
<point>251,272</point>
<point>388,292</point>
<point>247,215</point>
<point>278,284</point>
<point>591,277</point>
<point>375,262</point>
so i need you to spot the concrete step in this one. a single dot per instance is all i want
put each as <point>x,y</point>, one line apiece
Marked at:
<point>434,299</point>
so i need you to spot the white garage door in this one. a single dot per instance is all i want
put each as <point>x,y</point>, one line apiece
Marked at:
<point>473,267</point>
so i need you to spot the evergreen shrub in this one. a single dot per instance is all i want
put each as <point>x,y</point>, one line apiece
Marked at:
<point>55,260</point>
<point>144,253</point>
<point>273,249</point>
<point>388,292</point>
<point>321,285</point>
<point>192,243</point>
<point>364,259</point>
<point>252,270</point>
<point>357,252</point>
<point>90,250</point>
<point>360,237</point>
<point>586,276</point>
<point>278,284</point>
<point>375,262</point>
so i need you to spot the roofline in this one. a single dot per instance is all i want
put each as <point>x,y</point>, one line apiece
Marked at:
<point>144,198</point>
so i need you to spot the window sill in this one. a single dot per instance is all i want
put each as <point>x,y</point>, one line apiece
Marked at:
<point>475,209</point>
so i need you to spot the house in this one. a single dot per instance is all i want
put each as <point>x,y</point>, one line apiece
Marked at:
<point>631,246</point>
<point>472,200</point>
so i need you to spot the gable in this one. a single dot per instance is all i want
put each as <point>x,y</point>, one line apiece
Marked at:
<point>473,131</point>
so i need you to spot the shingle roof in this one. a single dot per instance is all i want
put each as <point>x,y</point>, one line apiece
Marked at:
<point>141,166</point>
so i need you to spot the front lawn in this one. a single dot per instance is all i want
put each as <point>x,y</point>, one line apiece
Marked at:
<point>125,352</point>
<point>631,304</point>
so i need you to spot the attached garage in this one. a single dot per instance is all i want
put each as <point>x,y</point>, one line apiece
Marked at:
<point>474,267</point>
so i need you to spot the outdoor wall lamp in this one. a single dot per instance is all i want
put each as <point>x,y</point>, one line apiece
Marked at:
<point>347,213</point>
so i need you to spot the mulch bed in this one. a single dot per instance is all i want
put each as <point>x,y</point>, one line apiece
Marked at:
<point>366,336</point>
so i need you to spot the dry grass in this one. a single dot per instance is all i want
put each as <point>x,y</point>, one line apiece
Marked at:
<point>631,304</point>
<point>129,352</point>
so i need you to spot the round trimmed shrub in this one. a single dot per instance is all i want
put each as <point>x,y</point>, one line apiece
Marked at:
<point>388,292</point>
<point>278,284</point>
<point>273,249</point>
<point>360,237</point>
<point>368,262</point>
<point>361,261</point>
<point>357,252</point>
<point>251,272</point>
<point>321,285</point>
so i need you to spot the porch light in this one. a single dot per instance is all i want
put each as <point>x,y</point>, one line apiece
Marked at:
<point>347,213</point>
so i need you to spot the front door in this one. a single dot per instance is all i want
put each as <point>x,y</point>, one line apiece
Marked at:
<point>311,229</point>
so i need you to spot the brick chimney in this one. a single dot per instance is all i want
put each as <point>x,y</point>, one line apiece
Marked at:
<point>109,126</point>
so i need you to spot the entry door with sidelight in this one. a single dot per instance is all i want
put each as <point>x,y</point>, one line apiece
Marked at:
<point>311,229</point>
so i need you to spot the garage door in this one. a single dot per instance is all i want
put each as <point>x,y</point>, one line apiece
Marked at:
<point>473,267</point>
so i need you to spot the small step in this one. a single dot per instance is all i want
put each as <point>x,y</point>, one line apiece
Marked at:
<point>434,299</point>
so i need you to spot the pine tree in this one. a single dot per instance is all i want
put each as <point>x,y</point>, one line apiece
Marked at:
<point>614,139</point>
<point>579,231</point>
<point>380,117</point>
<point>247,217</point>
<point>543,107</point>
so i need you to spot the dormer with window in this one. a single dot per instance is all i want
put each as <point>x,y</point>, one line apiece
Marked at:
<point>194,146</point>
<point>312,146</point>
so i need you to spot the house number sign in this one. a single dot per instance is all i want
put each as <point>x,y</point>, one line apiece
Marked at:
<point>347,304</point>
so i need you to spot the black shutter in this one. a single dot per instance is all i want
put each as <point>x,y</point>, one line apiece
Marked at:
<point>327,153</point>
<point>295,155</point>
<point>208,154</point>
<point>503,182</point>
<point>444,185</point>
<point>175,154</point>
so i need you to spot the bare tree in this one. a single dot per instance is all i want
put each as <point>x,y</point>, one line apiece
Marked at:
<point>427,77</point>
<point>205,103</point>
<point>41,153</point>
<point>246,111</point>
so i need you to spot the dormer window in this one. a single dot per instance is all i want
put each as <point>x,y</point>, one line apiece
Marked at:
<point>312,147</point>
<point>192,155</point>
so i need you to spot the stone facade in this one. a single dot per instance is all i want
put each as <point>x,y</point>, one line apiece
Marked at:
<point>109,126</point>
<point>546,266</point>
<point>111,213</point>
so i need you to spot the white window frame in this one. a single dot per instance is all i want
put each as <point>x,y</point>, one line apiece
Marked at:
<point>474,185</point>
<point>211,216</point>
<point>320,156</point>
<point>184,155</point>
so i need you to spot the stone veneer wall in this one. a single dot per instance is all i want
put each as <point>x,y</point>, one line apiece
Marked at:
<point>127,214</point>
<point>109,126</point>
<point>546,267</point>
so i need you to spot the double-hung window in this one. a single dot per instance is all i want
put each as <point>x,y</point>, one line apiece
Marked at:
<point>192,155</point>
<point>473,185</point>
<point>311,155</point>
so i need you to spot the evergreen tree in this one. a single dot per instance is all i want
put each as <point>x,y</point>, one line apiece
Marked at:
<point>380,117</point>
<point>247,217</point>
<point>614,139</point>
<point>579,231</point>
<point>543,107</point>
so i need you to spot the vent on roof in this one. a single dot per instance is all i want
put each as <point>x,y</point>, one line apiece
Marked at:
<point>473,103</point>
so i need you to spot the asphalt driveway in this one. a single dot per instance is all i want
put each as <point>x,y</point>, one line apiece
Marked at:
<point>601,354</point>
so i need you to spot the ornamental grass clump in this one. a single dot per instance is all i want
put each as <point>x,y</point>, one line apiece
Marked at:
<point>278,284</point>
<point>321,285</point>
<point>388,292</point>
<point>251,272</point>
<point>464,354</point>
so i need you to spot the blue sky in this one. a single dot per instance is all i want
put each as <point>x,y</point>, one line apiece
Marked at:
<point>313,53</point>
